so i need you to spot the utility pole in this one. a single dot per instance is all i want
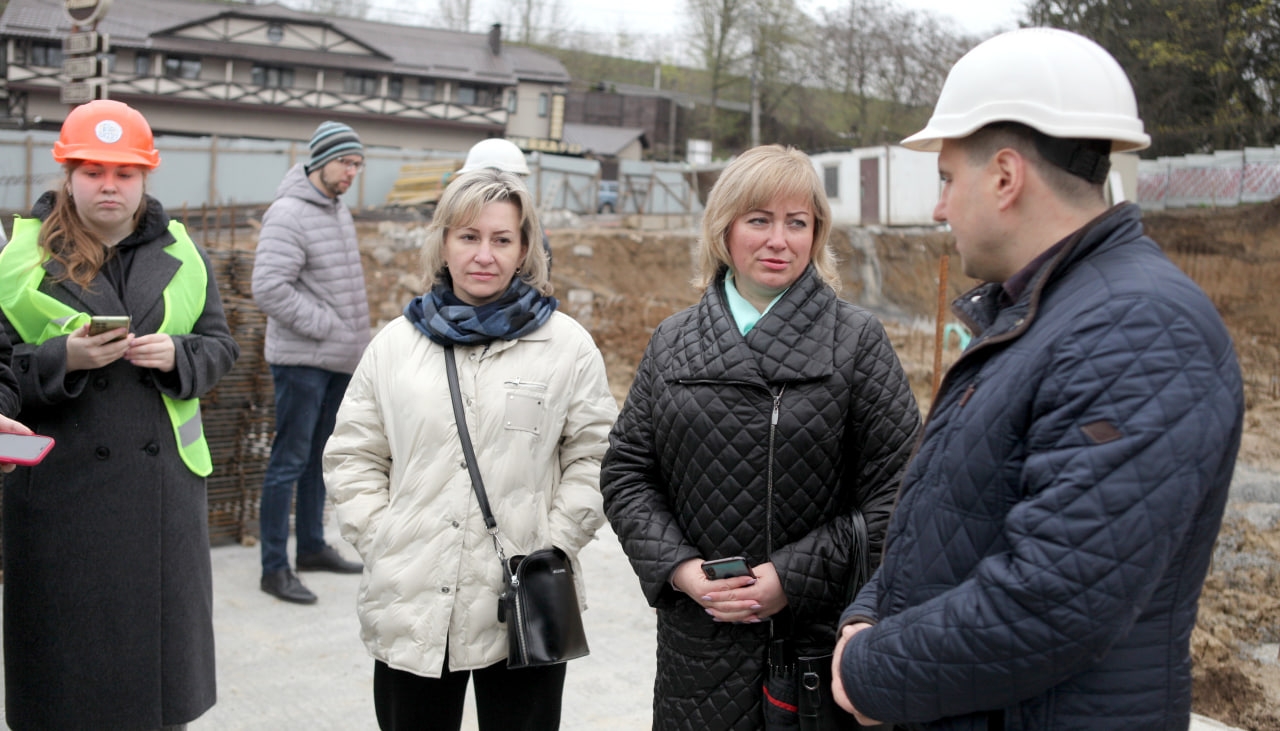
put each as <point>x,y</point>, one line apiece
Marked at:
<point>755,88</point>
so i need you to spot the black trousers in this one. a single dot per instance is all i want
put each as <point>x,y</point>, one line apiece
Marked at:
<point>527,699</point>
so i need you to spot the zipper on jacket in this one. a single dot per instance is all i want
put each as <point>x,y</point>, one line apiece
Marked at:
<point>773,431</point>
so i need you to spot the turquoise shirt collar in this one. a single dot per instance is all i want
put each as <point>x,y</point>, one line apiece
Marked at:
<point>745,314</point>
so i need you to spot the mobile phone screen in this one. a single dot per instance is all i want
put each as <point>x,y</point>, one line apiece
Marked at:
<point>24,449</point>
<point>724,568</point>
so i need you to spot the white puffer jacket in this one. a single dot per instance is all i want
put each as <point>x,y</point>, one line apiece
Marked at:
<point>539,412</point>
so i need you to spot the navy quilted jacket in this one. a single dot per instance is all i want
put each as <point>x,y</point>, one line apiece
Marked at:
<point>1055,528</point>
<point>759,446</point>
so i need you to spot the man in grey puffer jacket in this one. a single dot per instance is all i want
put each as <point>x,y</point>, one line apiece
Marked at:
<point>308,278</point>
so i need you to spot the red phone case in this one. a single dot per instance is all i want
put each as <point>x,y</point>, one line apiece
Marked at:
<point>24,456</point>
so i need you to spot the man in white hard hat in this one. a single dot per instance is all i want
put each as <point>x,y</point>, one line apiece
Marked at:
<point>503,155</point>
<point>1053,531</point>
<point>498,154</point>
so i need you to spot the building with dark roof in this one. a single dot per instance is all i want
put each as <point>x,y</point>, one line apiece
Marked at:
<point>607,144</point>
<point>270,71</point>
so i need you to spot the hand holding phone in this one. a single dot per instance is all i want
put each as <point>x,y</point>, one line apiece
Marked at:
<point>23,449</point>
<point>726,568</point>
<point>99,324</point>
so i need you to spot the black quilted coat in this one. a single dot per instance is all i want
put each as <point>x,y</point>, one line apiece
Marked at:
<point>761,446</point>
<point>1044,563</point>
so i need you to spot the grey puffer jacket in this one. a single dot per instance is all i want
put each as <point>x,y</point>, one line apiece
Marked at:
<point>1043,566</point>
<point>761,446</point>
<point>308,278</point>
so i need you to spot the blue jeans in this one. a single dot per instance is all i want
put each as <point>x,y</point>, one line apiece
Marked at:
<point>307,402</point>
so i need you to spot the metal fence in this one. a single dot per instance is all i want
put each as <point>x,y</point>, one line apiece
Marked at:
<point>1225,178</point>
<point>196,171</point>
<point>219,171</point>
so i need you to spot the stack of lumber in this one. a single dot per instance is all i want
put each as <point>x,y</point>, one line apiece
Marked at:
<point>421,183</point>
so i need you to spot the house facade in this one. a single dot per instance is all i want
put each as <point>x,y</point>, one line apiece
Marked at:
<point>268,71</point>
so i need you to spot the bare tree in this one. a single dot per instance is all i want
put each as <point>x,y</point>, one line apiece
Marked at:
<point>885,62</point>
<point>545,22</point>
<point>850,45</point>
<point>781,37</point>
<point>455,14</point>
<point>718,38</point>
<point>344,8</point>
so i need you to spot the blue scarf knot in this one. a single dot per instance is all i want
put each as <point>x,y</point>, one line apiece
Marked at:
<point>447,320</point>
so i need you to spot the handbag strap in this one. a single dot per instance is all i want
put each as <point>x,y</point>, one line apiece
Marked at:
<point>477,484</point>
<point>859,557</point>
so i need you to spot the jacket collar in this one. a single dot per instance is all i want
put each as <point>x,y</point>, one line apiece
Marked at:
<point>794,341</point>
<point>296,184</point>
<point>979,308</point>
<point>150,273</point>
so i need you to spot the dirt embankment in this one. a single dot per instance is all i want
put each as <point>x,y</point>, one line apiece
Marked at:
<point>622,283</point>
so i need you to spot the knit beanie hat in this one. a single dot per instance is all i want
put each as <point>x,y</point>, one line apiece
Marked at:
<point>332,139</point>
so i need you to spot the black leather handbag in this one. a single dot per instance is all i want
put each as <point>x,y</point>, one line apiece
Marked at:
<point>539,603</point>
<point>797,689</point>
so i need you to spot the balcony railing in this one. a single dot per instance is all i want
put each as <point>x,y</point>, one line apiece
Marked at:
<point>245,93</point>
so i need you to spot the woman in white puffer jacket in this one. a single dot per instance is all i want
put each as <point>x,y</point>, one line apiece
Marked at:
<point>538,408</point>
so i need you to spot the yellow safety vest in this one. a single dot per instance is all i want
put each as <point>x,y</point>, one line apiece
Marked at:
<point>37,316</point>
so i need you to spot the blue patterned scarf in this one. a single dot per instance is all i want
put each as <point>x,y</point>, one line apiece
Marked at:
<point>447,320</point>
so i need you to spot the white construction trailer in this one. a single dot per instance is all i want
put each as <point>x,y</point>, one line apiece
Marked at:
<point>880,186</point>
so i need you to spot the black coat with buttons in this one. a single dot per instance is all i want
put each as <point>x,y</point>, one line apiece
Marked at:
<point>107,582</point>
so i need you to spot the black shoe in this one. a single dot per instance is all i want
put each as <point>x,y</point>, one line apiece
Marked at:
<point>328,559</point>
<point>284,585</point>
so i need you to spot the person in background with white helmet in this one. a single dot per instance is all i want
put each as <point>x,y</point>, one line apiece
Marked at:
<point>500,154</point>
<point>1043,565</point>
<point>108,588</point>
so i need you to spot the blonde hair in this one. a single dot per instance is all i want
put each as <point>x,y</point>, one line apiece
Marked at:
<point>71,243</point>
<point>755,178</point>
<point>461,204</point>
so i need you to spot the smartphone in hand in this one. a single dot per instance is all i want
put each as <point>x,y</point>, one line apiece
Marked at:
<point>23,449</point>
<point>99,324</point>
<point>726,568</point>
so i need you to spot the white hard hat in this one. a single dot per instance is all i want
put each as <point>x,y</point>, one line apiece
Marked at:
<point>1051,80</point>
<point>496,153</point>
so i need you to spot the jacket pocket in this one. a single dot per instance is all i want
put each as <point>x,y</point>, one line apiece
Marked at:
<point>525,409</point>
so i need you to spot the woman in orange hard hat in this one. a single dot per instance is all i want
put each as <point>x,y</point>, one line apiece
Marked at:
<point>107,581</point>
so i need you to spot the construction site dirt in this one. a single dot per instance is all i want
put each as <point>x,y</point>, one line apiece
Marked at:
<point>621,283</point>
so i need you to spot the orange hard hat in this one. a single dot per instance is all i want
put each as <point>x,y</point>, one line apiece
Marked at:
<point>106,131</point>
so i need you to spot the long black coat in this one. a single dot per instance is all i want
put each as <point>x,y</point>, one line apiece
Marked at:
<point>8,384</point>
<point>697,469</point>
<point>107,583</point>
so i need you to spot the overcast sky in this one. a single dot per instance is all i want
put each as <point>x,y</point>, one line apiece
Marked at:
<point>978,17</point>
<point>658,21</point>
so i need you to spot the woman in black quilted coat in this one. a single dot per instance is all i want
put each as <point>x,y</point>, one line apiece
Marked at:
<point>761,422</point>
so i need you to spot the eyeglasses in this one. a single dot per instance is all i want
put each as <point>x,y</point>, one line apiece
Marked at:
<point>357,165</point>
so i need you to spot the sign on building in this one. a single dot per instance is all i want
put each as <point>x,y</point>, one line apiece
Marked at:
<point>83,66</point>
